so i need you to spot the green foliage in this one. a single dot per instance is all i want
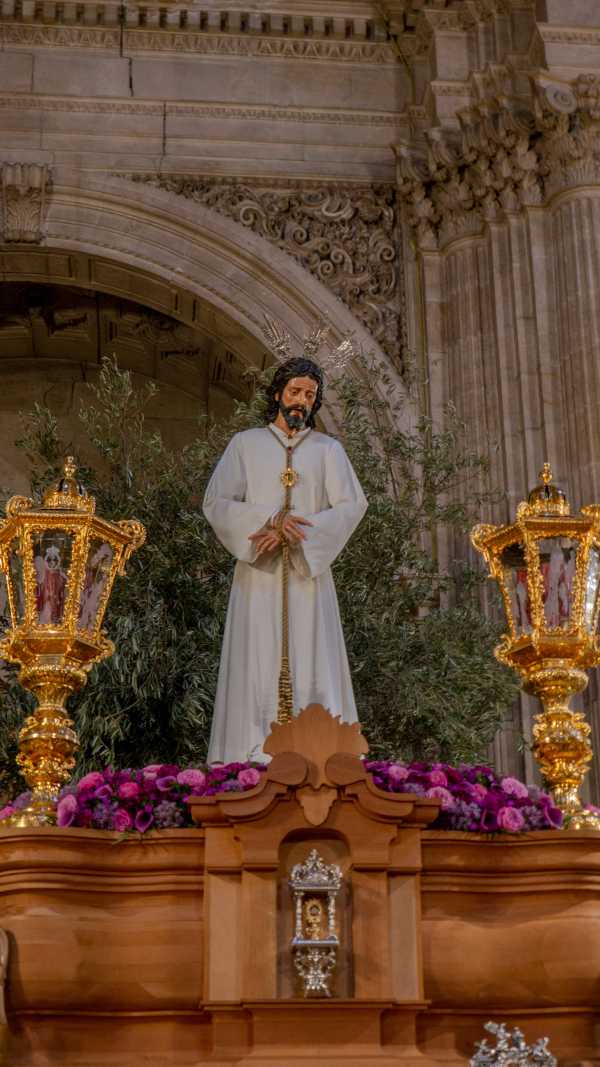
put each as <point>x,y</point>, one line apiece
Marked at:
<point>421,652</point>
<point>424,674</point>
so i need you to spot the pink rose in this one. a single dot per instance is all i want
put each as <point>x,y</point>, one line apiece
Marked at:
<point>195,779</point>
<point>510,819</point>
<point>128,789</point>
<point>90,781</point>
<point>122,820</point>
<point>249,777</point>
<point>397,773</point>
<point>514,788</point>
<point>478,792</point>
<point>6,812</point>
<point>66,810</point>
<point>438,778</point>
<point>441,794</point>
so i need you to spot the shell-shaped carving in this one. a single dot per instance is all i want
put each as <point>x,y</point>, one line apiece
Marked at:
<point>317,735</point>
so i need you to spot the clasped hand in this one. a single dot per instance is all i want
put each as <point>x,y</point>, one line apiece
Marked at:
<point>286,526</point>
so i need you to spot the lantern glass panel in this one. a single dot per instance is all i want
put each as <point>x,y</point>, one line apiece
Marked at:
<point>515,578</point>
<point>15,568</point>
<point>591,587</point>
<point>52,552</point>
<point>97,573</point>
<point>558,559</point>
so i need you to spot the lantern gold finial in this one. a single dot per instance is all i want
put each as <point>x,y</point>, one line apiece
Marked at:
<point>68,493</point>
<point>546,498</point>
<point>546,474</point>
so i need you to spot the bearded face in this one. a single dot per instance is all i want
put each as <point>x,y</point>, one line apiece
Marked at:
<point>297,400</point>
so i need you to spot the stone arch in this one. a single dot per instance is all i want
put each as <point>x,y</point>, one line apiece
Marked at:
<point>180,258</point>
<point>194,248</point>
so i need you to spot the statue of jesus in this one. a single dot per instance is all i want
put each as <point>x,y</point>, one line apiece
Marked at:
<point>284,495</point>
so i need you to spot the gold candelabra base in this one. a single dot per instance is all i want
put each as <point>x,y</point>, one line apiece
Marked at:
<point>561,738</point>
<point>47,741</point>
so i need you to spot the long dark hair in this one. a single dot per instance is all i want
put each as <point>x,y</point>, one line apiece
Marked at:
<point>294,368</point>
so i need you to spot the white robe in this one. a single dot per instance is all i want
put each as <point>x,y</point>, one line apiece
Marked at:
<point>244,492</point>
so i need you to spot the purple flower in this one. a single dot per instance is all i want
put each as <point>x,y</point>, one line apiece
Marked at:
<point>442,794</point>
<point>478,792</point>
<point>514,788</point>
<point>167,814</point>
<point>128,789</point>
<point>510,819</point>
<point>103,792</point>
<point>90,781</point>
<point>438,778</point>
<point>122,820</point>
<point>397,773</point>
<point>7,811</point>
<point>554,817</point>
<point>196,780</point>
<point>143,820</point>
<point>249,777</point>
<point>165,783</point>
<point>66,810</point>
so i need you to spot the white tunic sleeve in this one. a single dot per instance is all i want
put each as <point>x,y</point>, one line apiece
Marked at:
<point>231,517</point>
<point>333,526</point>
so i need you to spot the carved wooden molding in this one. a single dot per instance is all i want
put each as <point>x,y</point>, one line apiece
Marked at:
<point>316,761</point>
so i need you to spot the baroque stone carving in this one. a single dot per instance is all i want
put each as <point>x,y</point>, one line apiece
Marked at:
<point>510,153</point>
<point>271,47</point>
<point>24,192</point>
<point>344,235</point>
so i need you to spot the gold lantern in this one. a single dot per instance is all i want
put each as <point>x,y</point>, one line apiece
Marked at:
<point>547,565</point>
<point>59,562</point>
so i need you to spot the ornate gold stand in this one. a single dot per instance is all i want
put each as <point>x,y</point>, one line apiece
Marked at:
<point>59,561</point>
<point>547,565</point>
<point>47,741</point>
<point>561,738</point>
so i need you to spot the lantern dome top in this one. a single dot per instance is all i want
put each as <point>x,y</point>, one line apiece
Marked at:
<point>68,493</point>
<point>546,498</point>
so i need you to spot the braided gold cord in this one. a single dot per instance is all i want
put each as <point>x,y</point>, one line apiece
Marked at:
<point>285,704</point>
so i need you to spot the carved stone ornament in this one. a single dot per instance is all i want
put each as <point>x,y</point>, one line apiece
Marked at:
<point>344,235</point>
<point>24,193</point>
<point>509,153</point>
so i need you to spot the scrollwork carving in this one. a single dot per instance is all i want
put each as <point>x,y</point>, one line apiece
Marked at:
<point>507,156</point>
<point>344,235</point>
<point>24,191</point>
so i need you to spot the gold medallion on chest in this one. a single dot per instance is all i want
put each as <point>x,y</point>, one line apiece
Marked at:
<point>289,478</point>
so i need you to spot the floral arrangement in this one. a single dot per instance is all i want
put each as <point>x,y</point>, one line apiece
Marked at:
<point>155,798</point>
<point>473,797</point>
